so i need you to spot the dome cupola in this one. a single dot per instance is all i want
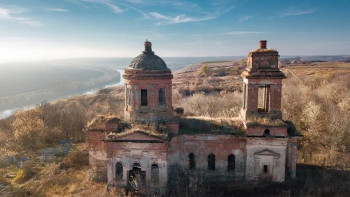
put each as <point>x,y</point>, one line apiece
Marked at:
<point>148,60</point>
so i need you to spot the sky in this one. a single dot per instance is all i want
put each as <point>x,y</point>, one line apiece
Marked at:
<point>33,30</point>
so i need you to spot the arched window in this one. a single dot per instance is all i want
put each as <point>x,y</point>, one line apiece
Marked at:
<point>155,173</point>
<point>211,162</point>
<point>191,161</point>
<point>266,133</point>
<point>118,171</point>
<point>231,162</point>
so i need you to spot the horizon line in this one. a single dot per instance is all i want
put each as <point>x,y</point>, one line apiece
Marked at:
<point>103,57</point>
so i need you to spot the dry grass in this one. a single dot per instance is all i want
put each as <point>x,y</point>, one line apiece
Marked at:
<point>71,182</point>
<point>211,105</point>
<point>77,159</point>
<point>315,98</point>
<point>50,180</point>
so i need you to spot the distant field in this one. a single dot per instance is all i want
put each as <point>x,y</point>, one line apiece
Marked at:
<point>320,69</point>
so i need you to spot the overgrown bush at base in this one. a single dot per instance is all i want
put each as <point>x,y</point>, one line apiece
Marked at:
<point>76,159</point>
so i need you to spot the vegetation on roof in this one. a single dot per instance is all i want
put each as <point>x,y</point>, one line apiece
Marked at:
<point>198,125</point>
<point>268,122</point>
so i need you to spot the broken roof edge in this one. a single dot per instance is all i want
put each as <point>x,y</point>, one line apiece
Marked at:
<point>292,131</point>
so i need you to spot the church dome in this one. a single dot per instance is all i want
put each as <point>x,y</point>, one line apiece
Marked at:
<point>148,60</point>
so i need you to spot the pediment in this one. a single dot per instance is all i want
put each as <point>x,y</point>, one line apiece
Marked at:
<point>137,136</point>
<point>266,152</point>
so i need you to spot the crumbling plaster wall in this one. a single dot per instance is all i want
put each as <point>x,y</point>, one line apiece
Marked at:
<point>144,154</point>
<point>266,151</point>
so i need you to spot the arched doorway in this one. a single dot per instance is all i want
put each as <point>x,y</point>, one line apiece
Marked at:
<point>136,177</point>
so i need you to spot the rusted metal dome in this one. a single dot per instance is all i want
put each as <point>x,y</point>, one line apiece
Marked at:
<point>148,60</point>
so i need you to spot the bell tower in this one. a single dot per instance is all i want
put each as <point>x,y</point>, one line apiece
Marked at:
<point>262,85</point>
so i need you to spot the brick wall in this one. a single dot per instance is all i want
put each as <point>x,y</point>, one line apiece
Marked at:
<point>201,145</point>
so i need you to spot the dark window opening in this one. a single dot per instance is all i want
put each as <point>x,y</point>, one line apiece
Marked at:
<point>128,95</point>
<point>266,132</point>
<point>264,98</point>
<point>155,173</point>
<point>244,95</point>
<point>211,162</point>
<point>191,160</point>
<point>144,101</point>
<point>231,162</point>
<point>118,171</point>
<point>265,169</point>
<point>161,96</point>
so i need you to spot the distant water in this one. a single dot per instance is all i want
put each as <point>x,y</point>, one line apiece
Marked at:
<point>121,82</point>
<point>26,85</point>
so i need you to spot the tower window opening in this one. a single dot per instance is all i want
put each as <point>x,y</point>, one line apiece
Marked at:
<point>128,96</point>
<point>265,168</point>
<point>144,101</point>
<point>244,95</point>
<point>161,96</point>
<point>211,162</point>
<point>191,161</point>
<point>264,98</point>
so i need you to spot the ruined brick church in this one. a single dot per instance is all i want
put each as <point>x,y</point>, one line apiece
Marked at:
<point>152,144</point>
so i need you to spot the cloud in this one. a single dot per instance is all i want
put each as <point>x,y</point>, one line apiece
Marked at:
<point>297,12</point>
<point>210,14</point>
<point>293,12</point>
<point>243,32</point>
<point>178,19</point>
<point>134,1</point>
<point>56,9</point>
<point>245,18</point>
<point>14,15</point>
<point>135,9</point>
<point>108,3</point>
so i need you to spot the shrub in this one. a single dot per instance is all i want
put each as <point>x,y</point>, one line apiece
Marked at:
<point>205,69</point>
<point>25,173</point>
<point>213,105</point>
<point>76,159</point>
<point>3,180</point>
<point>318,107</point>
<point>179,111</point>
